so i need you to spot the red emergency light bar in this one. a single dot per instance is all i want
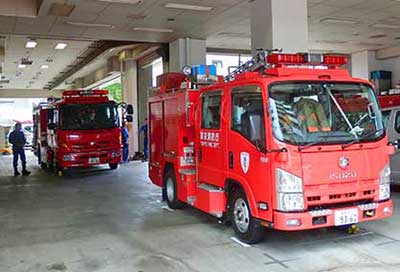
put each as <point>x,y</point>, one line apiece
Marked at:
<point>85,92</point>
<point>310,59</point>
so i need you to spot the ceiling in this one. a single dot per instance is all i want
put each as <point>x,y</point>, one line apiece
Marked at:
<point>34,76</point>
<point>227,25</point>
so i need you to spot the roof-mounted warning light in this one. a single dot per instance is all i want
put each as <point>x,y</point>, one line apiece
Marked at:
<point>85,93</point>
<point>306,59</point>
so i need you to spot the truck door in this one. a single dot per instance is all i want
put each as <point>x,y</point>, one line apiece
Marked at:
<point>248,162</point>
<point>393,131</point>
<point>210,157</point>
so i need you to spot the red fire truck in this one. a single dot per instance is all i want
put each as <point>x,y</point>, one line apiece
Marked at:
<point>276,144</point>
<point>390,106</point>
<point>80,130</point>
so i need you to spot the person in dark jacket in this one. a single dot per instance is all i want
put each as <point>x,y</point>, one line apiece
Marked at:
<point>143,129</point>
<point>125,144</point>
<point>17,139</point>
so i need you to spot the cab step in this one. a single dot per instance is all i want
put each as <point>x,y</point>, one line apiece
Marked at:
<point>210,199</point>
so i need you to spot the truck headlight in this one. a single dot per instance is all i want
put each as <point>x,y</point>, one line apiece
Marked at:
<point>115,154</point>
<point>384,183</point>
<point>290,202</point>
<point>289,191</point>
<point>68,157</point>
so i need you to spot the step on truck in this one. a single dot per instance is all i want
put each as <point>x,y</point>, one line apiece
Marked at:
<point>82,129</point>
<point>286,141</point>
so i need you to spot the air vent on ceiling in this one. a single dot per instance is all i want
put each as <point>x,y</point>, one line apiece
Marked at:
<point>61,10</point>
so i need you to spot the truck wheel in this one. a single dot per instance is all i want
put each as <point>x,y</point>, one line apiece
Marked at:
<point>113,166</point>
<point>170,190</point>
<point>246,227</point>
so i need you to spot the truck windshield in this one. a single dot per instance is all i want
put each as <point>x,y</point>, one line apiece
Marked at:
<point>88,116</point>
<point>325,113</point>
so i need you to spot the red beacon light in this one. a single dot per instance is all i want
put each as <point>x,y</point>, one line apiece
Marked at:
<point>306,59</point>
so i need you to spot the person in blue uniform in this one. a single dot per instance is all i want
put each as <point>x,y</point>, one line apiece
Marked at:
<point>18,141</point>
<point>143,129</point>
<point>125,144</point>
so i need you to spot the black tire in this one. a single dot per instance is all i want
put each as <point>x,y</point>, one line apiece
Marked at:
<point>246,227</point>
<point>113,166</point>
<point>170,188</point>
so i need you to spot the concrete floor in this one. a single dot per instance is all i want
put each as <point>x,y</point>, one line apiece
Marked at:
<point>101,220</point>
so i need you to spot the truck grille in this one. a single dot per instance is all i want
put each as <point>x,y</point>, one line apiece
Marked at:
<point>317,196</point>
<point>89,145</point>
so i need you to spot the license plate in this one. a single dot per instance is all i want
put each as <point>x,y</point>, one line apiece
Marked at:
<point>346,217</point>
<point>94,160</point>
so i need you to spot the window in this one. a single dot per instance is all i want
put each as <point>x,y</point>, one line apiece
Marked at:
<point>156,70</point>
<point>385,117</point>
<point>326,113</point>
<point>248,114</point>
<point>211,110</point>
<point>226,62</point>
<point>397,122</point>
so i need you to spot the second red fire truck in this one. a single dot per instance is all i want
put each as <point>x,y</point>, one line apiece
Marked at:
<point>80,130</point>
<point>279,144</point>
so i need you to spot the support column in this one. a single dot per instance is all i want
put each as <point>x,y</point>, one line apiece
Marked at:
<point>186,52</point>
<point>130,96</point>
<point>363,63</point>
<point>279,24</point>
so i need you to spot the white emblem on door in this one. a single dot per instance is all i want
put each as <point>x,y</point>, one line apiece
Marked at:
<point>245,161</point>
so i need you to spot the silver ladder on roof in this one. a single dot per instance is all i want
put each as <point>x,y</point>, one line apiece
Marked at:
<point>257,62</point>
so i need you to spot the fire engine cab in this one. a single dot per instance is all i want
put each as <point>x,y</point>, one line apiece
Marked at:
<point>287,141</point>
<point>390,107</point>
<point>80,130</point>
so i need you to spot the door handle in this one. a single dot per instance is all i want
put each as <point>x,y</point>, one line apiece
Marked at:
<point>230,159</point>
<point>200,155</point>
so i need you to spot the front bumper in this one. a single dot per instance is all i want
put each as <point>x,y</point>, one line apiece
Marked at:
<point>88,159</point>
<point>326,218</point>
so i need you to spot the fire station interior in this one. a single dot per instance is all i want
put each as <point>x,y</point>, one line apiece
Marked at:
<point>98,76</point>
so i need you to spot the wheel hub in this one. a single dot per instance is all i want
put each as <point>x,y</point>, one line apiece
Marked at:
<point>241,215</point>
<point>170,190</point>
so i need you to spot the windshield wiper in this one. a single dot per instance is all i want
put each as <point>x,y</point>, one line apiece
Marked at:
<point>317,141</point>
<point>357,140</point>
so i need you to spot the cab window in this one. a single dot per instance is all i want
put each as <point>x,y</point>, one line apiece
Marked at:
<point>248,114</point>
<point>397,122</point>
<point>385,117</point>
<point>211,110</point>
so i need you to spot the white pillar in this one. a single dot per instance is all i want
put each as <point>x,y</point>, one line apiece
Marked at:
<point>130,96</point>
<point>279,24</point>
<point>363,63</point>
<point>186,52</point>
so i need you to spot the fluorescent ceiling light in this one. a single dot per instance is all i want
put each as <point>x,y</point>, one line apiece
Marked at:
<point>44,66</point>
<point>386,26</point>
<point>131,2</point>
<point>21,66</point>
<point>150,29</point>
<point>30,44</point>
<point>89,24</point>
<point>188,7</point>
<point>338,21</point>
<point>61,46</point>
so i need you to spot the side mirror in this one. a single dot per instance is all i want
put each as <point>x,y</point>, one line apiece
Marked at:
<point>52,126</point>
<point>395,143</point>
<point>129,109</point>
<point>129,118</point>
